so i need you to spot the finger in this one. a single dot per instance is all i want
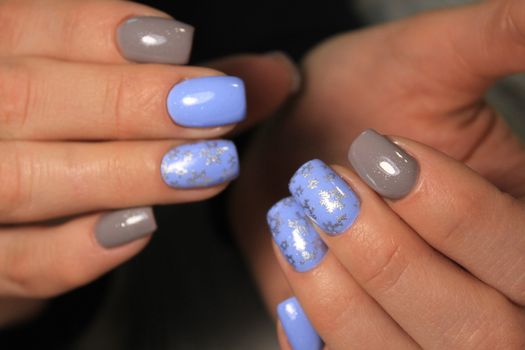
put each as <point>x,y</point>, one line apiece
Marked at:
<point>454,209</point>
<point>44,180</point>
<point>281,337</point>
<point>44,261</point>
<point>437,303</point>
<point>51,100</point>
<point>270,80</point>
<point>432,89</point>
<point>341,311</point>
<point>92,31</point>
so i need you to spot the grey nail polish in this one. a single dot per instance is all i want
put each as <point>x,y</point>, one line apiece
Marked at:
<point>123,226</point>
<point>155,40</point>
<point>386,168</point>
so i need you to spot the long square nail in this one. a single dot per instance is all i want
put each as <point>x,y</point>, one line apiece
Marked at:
<point>383,165</point>
<point>155,40</point>
<point>207,102</point>
<point>297,239</point>
<point>325,197</point>
<point>200,164</point>
<point>298,328</point>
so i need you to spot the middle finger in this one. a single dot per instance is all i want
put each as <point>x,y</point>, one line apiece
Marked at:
<point>43,99</point>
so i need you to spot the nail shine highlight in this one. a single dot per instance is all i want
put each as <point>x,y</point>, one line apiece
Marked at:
<point>155,40</point>
<point>388,169</point>
<point>200,164</point>
<point>296,238</point>
<point>298,328</point>
<point>207,102</point>
<point>325,197</point>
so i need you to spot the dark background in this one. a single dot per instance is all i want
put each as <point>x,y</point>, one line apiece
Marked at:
<point>188,289</point>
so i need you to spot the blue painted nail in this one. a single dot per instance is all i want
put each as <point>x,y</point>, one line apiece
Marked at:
<point>299,331</point>
<point>207,102</point>
<point>297,239</point>
<point>325,197</point>
<point>200,164</point>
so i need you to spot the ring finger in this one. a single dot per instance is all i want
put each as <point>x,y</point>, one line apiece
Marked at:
<point>45,180</point>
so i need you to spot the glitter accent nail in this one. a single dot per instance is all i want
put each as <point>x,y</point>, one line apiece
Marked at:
<point>325,197</point>
<point>298,241</point>
<point>200,164</point>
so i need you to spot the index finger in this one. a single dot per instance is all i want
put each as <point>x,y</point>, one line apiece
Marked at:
<point>102,31</point>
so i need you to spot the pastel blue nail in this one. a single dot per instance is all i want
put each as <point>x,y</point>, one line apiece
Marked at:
<point>207,102</point>
<point>297,239</point>
<point>200,164</point>
<point>325,197</point>
<point>299,331</point>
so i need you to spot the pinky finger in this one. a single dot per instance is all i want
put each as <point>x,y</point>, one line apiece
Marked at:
<point>45,261</point>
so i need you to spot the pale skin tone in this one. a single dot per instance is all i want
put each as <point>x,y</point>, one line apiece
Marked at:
<point>83,132</point>
<point>443,267</point>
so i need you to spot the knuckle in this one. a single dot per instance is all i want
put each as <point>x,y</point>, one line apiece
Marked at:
<point>15,96</point>
<point>467,210</point>
<point>15,174</point>
<point>10,27</point>
<point>132,96</point>
<point>386,269</point>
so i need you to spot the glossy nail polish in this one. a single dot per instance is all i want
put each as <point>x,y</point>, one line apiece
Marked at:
<point>324,197</point>
<point>207,102</point>
<point>297,239</point>
<point>123,226</point>
<point>299,331</point>
<point>383,165</point>
<point>200,164</point>
<point>155,40</point>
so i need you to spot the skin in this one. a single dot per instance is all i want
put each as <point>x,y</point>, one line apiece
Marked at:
<point>62,90</point>
<point>422,78</point>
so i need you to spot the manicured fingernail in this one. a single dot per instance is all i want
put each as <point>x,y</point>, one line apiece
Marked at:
<point>200,164</point>
<point>207,102</point>
<point>123,226</point>
<point>325,197</point>
<point>155,40</point>
<point>386,168</point>
<point>299,331</point>
<point>297,239</point>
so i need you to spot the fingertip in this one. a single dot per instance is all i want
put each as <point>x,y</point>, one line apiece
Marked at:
<point>282,338</point>
<point>270,79</point>
<point>294,74</point>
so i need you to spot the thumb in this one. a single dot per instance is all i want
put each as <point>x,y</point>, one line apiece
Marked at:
<point>270,80</point>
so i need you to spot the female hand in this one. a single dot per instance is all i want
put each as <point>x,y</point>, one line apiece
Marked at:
<point>437,264</point>
<point>422,77</point>
<point>89,140</point>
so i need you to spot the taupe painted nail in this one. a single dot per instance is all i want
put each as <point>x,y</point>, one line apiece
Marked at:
<point>388,169</point>
<point>155,40</point>
<point>123,226</point>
